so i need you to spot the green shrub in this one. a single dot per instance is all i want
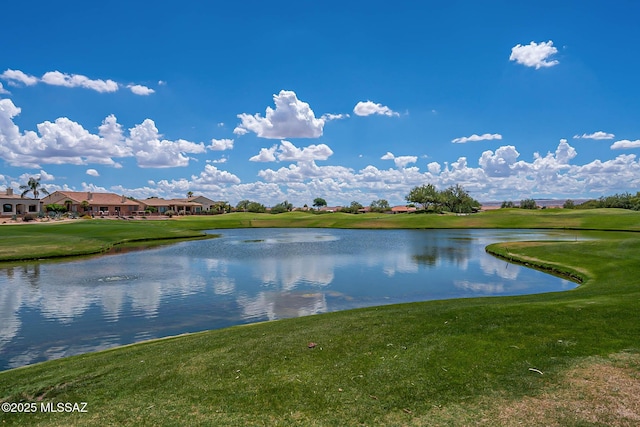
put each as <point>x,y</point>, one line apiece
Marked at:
<point>528,204</point>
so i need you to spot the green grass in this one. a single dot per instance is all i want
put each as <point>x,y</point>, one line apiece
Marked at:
<point>83,237</point>
<point>433,363</point>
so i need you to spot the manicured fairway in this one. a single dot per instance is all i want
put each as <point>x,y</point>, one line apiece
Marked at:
<point>37,241</point>
<point>567,359</point>
<point>82,237</point>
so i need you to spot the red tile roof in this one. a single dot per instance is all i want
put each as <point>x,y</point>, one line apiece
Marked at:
<point>105,199</point>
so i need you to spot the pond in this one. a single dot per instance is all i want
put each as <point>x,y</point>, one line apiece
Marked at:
<point>51,310</point>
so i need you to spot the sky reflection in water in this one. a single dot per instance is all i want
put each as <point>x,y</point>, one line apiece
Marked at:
<point>52,310</point>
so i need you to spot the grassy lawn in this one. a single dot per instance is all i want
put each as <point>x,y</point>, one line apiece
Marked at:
<point>568,359</point>
<point>82,237</point>
<point>38,241</point>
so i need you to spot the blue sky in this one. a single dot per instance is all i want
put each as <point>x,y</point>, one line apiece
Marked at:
<point>295,100</point>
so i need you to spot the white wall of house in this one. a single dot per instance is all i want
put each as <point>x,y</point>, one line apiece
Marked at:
<point>12,204</point>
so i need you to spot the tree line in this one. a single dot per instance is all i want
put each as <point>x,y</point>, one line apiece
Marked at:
<point>452,199</point>
<point>619,200</point>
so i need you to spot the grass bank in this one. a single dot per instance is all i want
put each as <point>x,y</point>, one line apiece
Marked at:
<point>596,219</point>
<point>485,361</point>
<point>83,237</point>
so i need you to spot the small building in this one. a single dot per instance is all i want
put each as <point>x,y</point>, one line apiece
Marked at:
<point>95,204</point>
<point>208,205</point>
<point>330,209</point>
<point>14,204</point>
<point>402,209</point>
<point>179,206</point>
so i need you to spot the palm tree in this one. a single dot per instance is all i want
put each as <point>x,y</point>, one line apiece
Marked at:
<point>34,187</point>
<point>189,194</point>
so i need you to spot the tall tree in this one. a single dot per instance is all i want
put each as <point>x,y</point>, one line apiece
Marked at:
<point>319,202</point>
<point>282,207</point>
<point>189,194</point>
<point>380,205</point>
<point>243,205</point>
<point>353,208</point>
<point>33,186</point>
<point>457,200</point>
<point>424,195</point>
<point>528,204</point>
<point>256,207</point>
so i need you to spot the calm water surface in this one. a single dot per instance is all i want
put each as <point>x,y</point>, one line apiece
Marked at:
<point>52,310</point>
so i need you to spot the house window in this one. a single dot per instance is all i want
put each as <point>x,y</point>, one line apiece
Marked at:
<point>32,208</point>
<point>7,208</point>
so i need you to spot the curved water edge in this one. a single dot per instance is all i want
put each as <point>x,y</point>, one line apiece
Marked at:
<point>52,310</point>
<point>111,249</point>
<point>495,249</point>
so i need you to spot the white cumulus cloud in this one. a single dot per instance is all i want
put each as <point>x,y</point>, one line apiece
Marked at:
<point>287,152</point>
<point>500,163</point>
<point>474,138</point>
<point>403,161</point>
<point>292,118</point>
<point>152,152</point>
<point>400,161</point>
<point>92,172</point>
<point>434,168</point>
<point>220,144</point>
<point>625,144</point>
<point>304,170</point>
<point>328,117</point>
<point>62,141</point>
<point>3,91</point>
<point>265,155</point>
<point>368,108</point>
<point>57,78</point>
<point>16,76</point>
<point>534,54</point>
<point>140,90</point>
<point>213,175</point>
<point>596,135</point>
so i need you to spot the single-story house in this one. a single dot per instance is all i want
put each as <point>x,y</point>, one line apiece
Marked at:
<point>179,206</point>
<point>96,204</point>
<point>208,205</point>
<point>402,209</point>
<point>330,209</point>
<point>15,204</point>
